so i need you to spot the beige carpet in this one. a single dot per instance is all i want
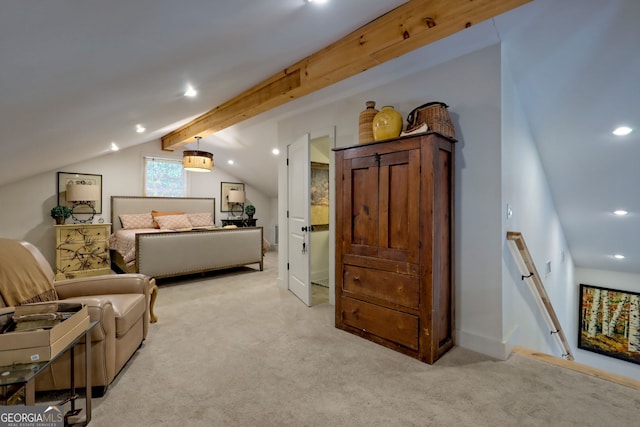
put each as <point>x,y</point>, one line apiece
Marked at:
<point>233,350</point>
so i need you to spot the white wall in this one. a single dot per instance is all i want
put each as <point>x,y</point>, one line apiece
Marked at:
<point>606,279</point>
<point>122,175</point>
<point>475,110</point>
<point>497,163</point>
<point>527,193</point>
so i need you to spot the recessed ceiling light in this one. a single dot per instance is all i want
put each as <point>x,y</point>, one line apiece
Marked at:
<point>317,1</point>
<point>622,131</point>
<point>230,162</point>
<point>618,256</point>
<point>114,146</point>
<point>140,128</point>
<point>620,212</point>
<point>275,151</point>
<point>190,92</point>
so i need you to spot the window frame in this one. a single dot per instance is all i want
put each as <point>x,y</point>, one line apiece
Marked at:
<point>145,161</point>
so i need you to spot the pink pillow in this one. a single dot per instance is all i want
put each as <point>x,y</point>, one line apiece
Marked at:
<point>173,222</point>
<point>200,219</point>
<point>132,221</point>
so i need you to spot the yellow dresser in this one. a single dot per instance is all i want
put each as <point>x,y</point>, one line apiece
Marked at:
<point>82,250</point>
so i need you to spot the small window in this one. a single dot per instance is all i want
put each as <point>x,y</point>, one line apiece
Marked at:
<point>164,177</point>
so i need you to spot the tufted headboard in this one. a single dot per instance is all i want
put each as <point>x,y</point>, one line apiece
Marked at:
<point>138,204</point>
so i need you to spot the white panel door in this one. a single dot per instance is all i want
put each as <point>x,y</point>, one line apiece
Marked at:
<point>298,172</point>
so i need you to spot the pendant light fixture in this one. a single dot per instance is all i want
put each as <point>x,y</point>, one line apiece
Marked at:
<point>196,160</point>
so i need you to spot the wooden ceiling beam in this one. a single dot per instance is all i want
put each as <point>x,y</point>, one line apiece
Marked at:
<point>414,24</point>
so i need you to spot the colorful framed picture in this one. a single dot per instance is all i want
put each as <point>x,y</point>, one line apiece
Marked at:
<point>65,178</point>
<point>610,322</point>
<point>319,194</point>
<point>224,194</point>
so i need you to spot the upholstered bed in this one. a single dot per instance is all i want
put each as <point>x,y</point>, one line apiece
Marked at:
<point>182,249</point>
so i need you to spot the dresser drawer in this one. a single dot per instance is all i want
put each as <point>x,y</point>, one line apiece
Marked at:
<point>394,288</point>
<point>82,234</point>
<point>98,261</point>
<point>83,250</point>
<point>75,274</point>
<point>392,325</point>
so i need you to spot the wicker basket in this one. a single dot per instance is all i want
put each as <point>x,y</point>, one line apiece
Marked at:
<point>435,115</point>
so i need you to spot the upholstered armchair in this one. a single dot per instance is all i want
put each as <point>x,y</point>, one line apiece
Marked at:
<point>119,302</point>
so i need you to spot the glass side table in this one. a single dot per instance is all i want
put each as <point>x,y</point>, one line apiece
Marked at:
<point>20,377</point>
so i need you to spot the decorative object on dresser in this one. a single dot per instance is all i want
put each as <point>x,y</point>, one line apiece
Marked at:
<point>83,194</point>
<point>387,124</point>
<point>60,213</point>
<point>236,202</point>
<point>250,210</point>
<point>433,114</point>
<point>82,250</point>
<point>365,123</point>
<point>394,243</point>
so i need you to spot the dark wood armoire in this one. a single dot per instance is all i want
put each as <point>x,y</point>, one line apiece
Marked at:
<point>394,243</point>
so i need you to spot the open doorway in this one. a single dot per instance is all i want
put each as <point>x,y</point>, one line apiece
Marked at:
<point>320,149</point>
<point>305,255</point>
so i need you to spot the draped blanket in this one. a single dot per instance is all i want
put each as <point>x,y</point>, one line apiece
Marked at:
<point>21,279</point>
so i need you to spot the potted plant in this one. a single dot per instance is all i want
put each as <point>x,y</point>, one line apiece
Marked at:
<point>60,213</point>
<point>250,210</point>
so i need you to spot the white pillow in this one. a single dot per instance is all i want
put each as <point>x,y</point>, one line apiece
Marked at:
<point>204,219</point>
<point>173,222</point>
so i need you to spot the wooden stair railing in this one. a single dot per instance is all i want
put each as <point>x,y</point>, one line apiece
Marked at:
<point>528,270</point>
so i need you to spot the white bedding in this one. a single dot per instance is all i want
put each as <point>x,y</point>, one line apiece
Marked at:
<point>124,242</point>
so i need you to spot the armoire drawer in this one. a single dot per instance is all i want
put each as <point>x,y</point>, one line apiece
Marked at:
<point>392,325</point>
<point>395,288</point>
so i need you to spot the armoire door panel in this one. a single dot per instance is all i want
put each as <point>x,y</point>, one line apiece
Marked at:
<point>399,191</point>
<point>364,207</point>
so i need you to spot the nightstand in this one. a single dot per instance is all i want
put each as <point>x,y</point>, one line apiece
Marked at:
<point>240,222</point>
<point>82,250</point>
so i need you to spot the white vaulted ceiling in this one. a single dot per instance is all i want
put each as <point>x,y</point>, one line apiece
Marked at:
<point>76,76</point>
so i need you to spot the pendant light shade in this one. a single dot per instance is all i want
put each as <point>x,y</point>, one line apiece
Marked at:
<point>196,160</point>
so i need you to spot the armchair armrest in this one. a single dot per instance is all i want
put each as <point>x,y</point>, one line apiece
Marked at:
<point>103,285</point>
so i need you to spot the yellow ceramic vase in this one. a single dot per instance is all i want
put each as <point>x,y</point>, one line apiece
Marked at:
<point>387,124</point>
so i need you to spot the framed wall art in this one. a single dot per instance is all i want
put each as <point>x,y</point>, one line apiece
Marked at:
<point>319,194</point>
<point>224,194</point>
<point>65,178</point>
<point>610,322</point>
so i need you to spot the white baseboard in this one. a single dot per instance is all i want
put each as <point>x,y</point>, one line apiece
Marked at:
<point>489,346</point>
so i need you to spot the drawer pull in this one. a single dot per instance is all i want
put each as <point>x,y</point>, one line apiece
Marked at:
<point>356,278</point>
